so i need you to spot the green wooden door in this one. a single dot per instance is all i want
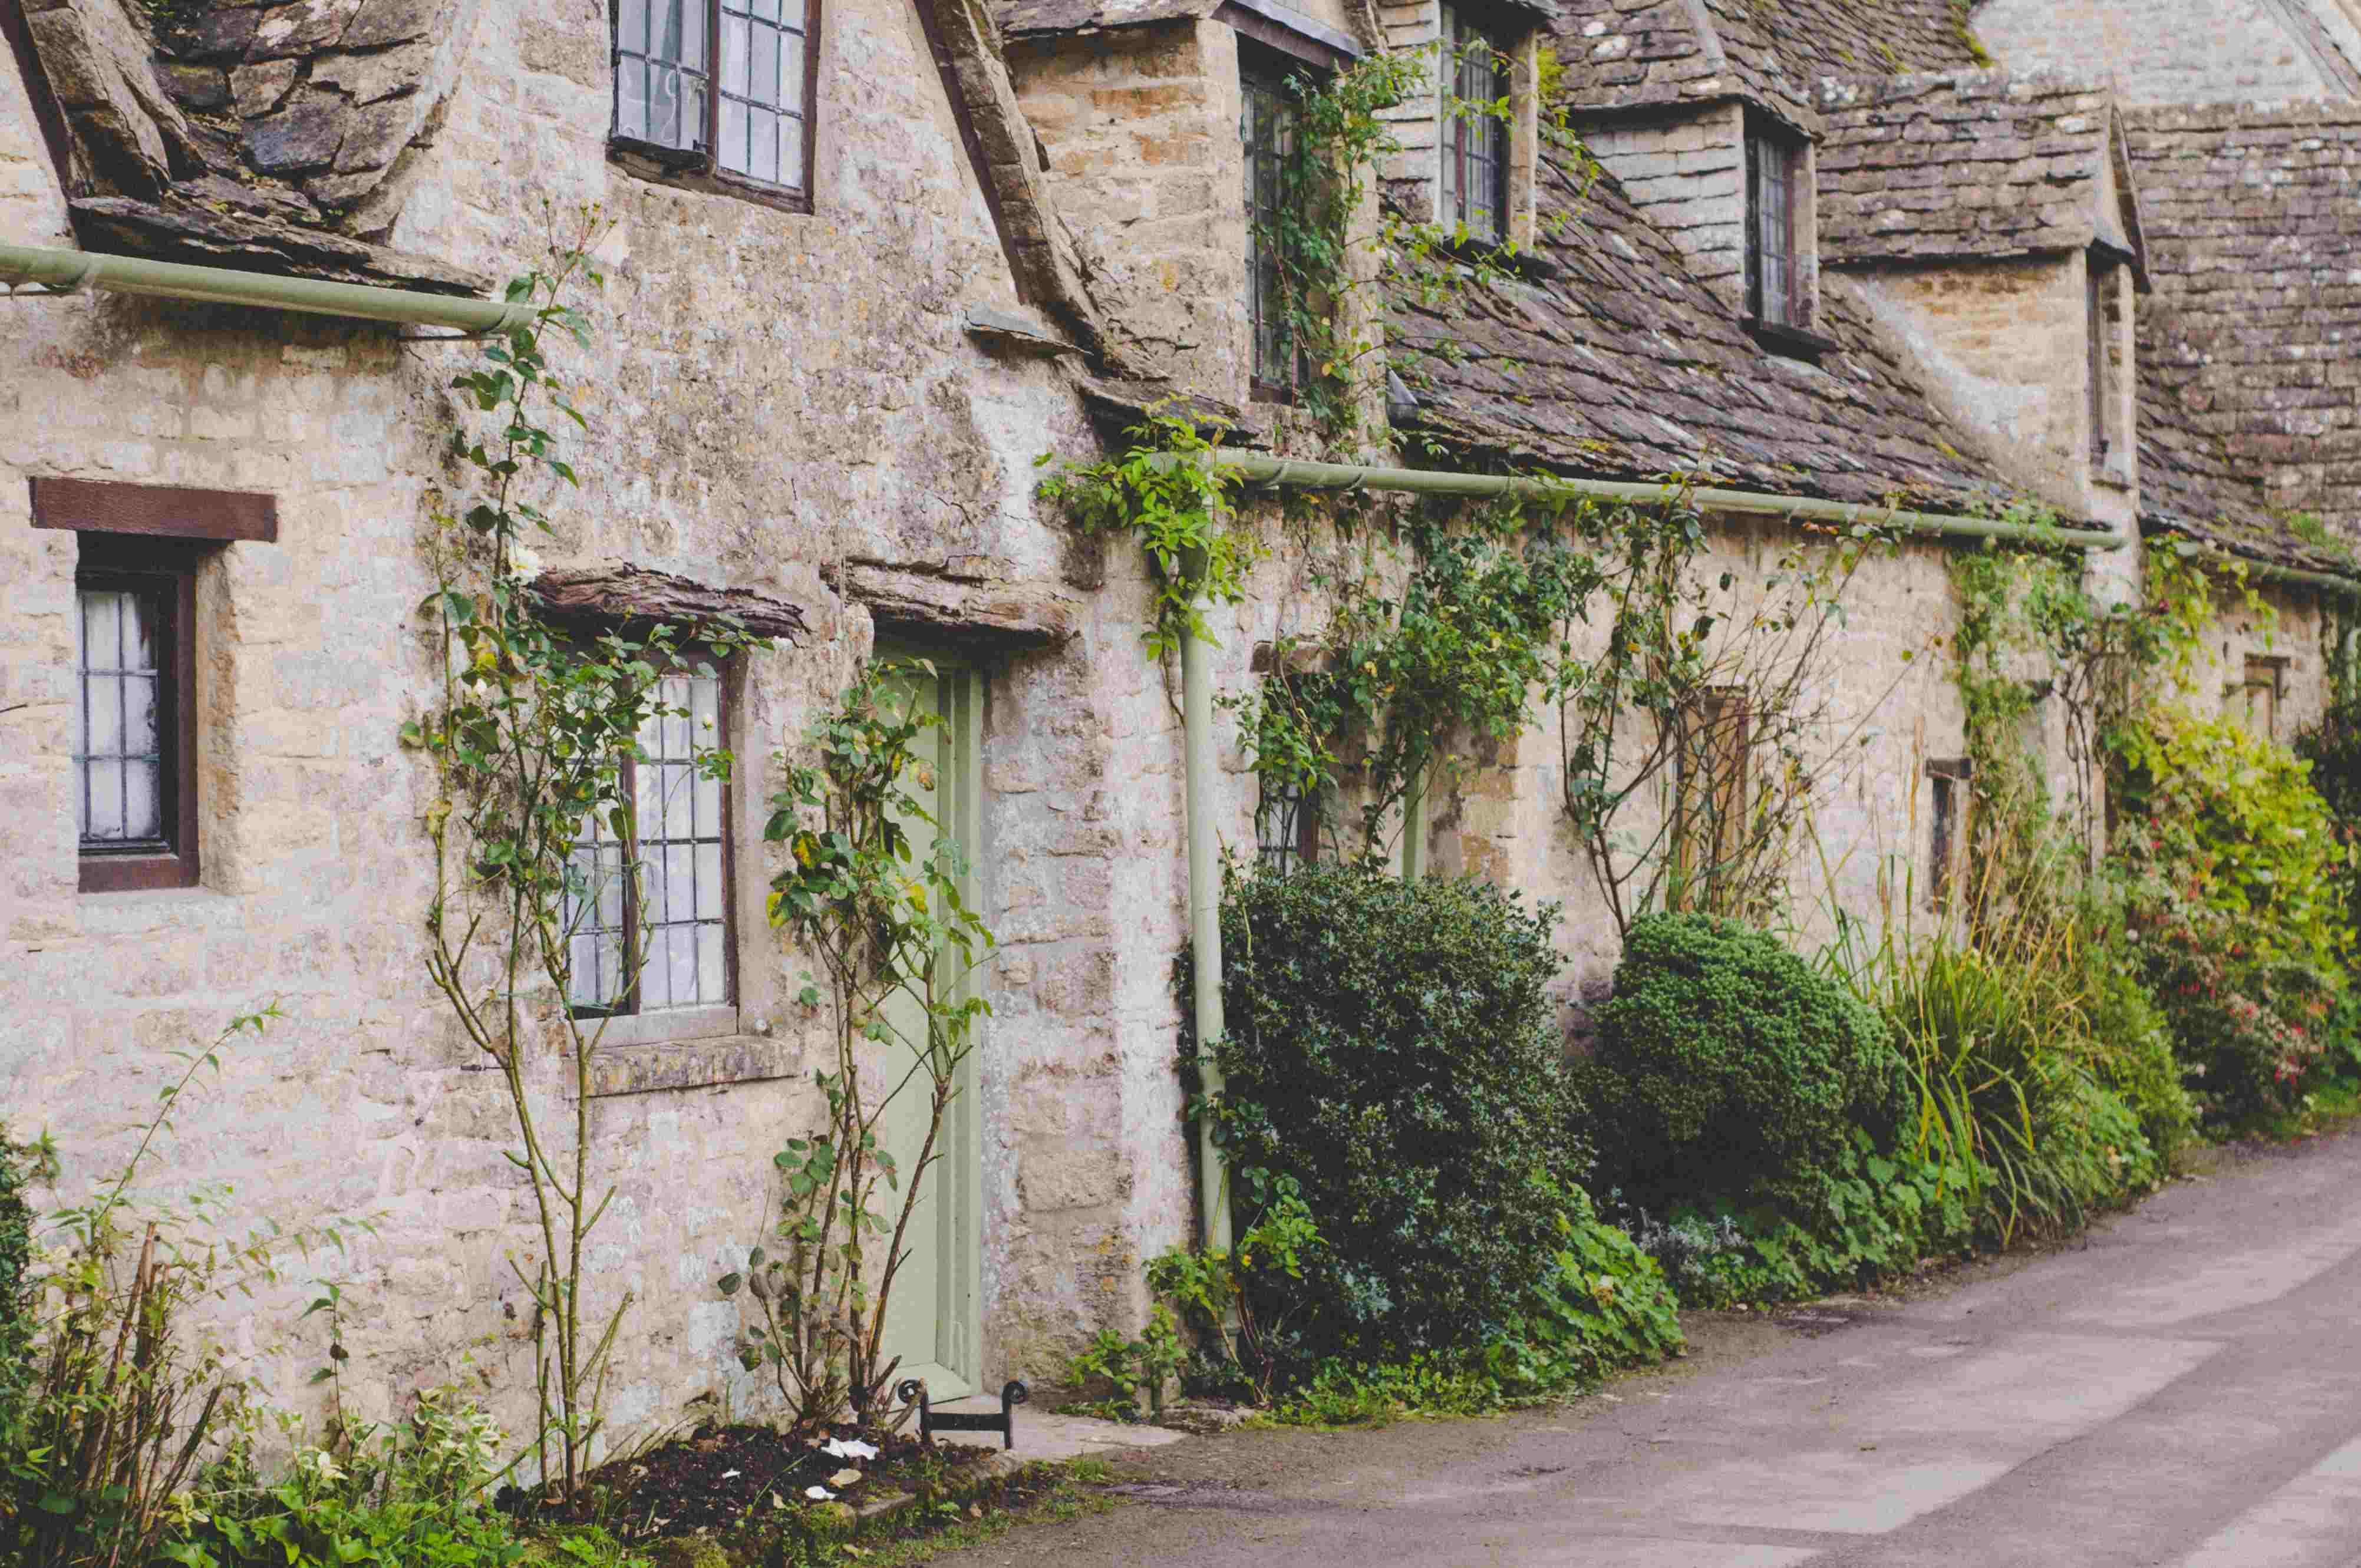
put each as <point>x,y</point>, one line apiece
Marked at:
<point>933,1319</point>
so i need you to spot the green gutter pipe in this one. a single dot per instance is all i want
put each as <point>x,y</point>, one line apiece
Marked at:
<point>1204,912</point>
<point>72,272</point>
<point>1257,468</point>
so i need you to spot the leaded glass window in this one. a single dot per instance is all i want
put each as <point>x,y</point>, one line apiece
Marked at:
<point>1267,130</point>
<point>1775,171</point>
<point>725,84</point>
<point>121,762</point>
<point>1475,189</point>
<point>647,914</point>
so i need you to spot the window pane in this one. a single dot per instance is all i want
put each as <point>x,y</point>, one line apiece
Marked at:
<point>733,53</point>
<point>763,81</point>
<point>680,969</point>
<point>791,98</point>
<point>709,881</point>
<point>138,632</point>
<point>712,972</point>
<point>102,716</point>
<point>143,817</point>
<point>106,797</point>
<point>632,26</point>
<point>102,635</point>
<point>705,816</point>
<point>732,150</point>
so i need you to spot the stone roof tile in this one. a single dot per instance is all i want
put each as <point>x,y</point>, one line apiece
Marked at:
<point>1628,53</point>
<point>1621,365</point>
<point>1959,164</point>
<point>2251,349</point>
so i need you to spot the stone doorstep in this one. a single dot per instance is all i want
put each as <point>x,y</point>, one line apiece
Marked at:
<point>1039,1438</point>
<point>1042,1435</point>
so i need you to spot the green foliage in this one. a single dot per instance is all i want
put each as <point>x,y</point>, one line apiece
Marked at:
<point>1701,684</point>
<point>414,1495</point>
<point>889,922</point>
<point>1246,1297</point>
<point>1727,1066</point>
<point>1480,630</point>
<point>2332,748</point>
<point>1867,1216</point>
<point>115,1394</point>
<point>1603,1303</point>
<point>527,745</point>
<point>1170,490</point>
<point>1393,1049</point>
<point>1137,1369</point>
<point>21,1166</point>
<point>2031,634</point>
<point>2238,885</point>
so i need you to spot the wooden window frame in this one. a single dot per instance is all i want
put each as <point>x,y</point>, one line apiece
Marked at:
<point>1460,31</point>
<point>728,675</point>
<point>1764,137</point>
<point>2272,668</point>
<point>158,536</point>
<point>1948,829</point>
<point>2099,277</point>
<point>699,165</point>
<point>1300,846</point>
<point>170,574</point>
<point>1721,752</point>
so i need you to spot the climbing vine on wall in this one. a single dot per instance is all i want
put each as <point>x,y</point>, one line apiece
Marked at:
<point>2034,639</point>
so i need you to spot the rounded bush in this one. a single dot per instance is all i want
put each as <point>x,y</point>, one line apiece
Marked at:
<point>1392,1046</point>
<point>1726,1066</point>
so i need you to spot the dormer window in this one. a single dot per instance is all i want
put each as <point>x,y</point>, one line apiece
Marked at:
<point>2106,402</point>
<point>1778,286</point>
<point>1267,130</point>
<point>1474,192</point>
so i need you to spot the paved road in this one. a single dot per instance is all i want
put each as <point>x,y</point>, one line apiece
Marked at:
<point>2184,1390</point>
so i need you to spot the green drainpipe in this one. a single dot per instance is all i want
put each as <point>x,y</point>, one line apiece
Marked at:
<point>1258,468</point>
<point>1204,911</point>
<point>55,271</point>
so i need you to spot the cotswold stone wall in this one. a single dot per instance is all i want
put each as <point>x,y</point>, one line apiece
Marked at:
<point>771,394</point>
<point>2181,52</point>
<point>2005,347</point>
<point>1140,130</point>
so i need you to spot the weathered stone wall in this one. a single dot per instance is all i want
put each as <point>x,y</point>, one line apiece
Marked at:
<point>1141,130</point>
<point>2004,347</point>
<point>1686,175</point>
<point>770,393</point>
<point>1885,706</point>
<point>2181,52</point>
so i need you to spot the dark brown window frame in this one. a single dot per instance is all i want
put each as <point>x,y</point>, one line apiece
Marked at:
<point>729,673</point>
<point>1462,28</point>
<point>2099,276</point>
<point>1763,136</point>
<point>699,167</point>
<point>169,572</point>
<point>159,536</point>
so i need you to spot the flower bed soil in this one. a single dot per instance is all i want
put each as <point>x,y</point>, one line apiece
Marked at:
<point>736,1477</point>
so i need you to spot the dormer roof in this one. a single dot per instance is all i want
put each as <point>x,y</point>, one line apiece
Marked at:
<point>1619,363</point>
<point>1974,165</point>
<point>1630,54</point>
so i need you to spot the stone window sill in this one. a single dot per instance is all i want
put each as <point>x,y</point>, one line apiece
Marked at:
<point>648,1068</point>
<point>2111,478</point>
<point>133,910</point>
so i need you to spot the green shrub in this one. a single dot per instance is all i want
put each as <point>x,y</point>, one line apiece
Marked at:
<point>1393,1049</point>
<point>1867,1217</point>
<point>2239,881</point>
<point>1726,1067</point>
<point>1602,1304</point>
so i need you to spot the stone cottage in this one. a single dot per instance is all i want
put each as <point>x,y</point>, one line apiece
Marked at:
<point>864,263</point>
